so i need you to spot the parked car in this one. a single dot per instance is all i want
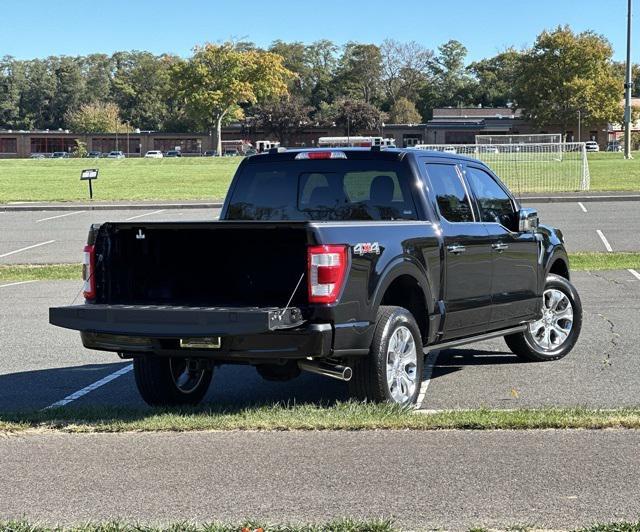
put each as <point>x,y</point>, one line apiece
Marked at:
<point>231,153</point>
<point>38,156</point>
<point>94,154</point>
<point>115,155</point>
<point>153,154</point>
<point>173,153</point>
<point>614,146</point>
<point>449,149</point>
<point>210,153</point>
<point>369,260</point>
<point>59,155</point>
<point>592,145</point>
<point>250,152</point>
<point>488,148</point>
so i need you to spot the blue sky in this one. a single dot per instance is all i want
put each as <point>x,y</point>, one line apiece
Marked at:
<point>39,28</point>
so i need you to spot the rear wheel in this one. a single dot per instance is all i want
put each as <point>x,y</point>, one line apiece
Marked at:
<point>392,371</point>
<point>554,335</point>
<point>171,381</point>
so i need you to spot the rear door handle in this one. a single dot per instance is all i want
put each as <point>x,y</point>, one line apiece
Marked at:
<point>456,249</point>
<point>500,246</point>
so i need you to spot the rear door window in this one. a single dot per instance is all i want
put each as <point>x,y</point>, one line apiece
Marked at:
<point>451,194</point>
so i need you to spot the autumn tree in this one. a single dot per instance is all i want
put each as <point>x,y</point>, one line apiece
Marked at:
<point>97,117</point>
<point>218,79</point>
<point>404,111</point>
<point>564,73</point>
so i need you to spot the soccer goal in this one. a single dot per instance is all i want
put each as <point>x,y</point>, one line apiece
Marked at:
<point>532,167</point>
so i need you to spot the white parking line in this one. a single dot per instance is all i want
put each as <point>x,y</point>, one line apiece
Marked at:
<point>16,283</point>
<point>604,241</point>
<point>80,393</point>
<point>145,214</point>
<point>27,248</point>
<point>59,216</point>
<point>634,273</point>
<point>584,209</point>
<point>429,363</point>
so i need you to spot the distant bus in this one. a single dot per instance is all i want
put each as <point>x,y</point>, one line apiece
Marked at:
<point>356,142</point>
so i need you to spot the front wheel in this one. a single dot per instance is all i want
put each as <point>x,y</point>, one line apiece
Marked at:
<point>554,335</point>
<point>169,381</point>
<point>392,371</point>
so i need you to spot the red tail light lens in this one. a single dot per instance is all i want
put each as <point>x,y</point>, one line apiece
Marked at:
<point>88,271</point>
<point>321,155</point>
<point>327,270</point>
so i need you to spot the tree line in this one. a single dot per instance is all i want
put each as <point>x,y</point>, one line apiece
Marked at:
<point>291,85</point>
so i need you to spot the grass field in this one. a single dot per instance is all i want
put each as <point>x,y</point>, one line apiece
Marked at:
<point>57,272</point>
<point>202,178</point>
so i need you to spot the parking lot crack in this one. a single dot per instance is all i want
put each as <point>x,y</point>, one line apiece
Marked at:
<point>613,341</point>
<point>614,281</point>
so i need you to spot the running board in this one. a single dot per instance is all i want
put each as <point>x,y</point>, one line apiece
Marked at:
<point>474,339</point>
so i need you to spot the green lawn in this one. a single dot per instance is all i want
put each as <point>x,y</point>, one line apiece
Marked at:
<point>208,178</point>
<point>127,179</point>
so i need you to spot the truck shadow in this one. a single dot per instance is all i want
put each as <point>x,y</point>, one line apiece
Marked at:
<point>233,387</point>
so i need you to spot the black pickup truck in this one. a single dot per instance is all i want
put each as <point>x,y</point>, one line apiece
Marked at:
<point>350,263</point>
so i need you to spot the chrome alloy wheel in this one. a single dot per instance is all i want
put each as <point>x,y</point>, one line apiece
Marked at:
<point>185,378</point>
<point>402,365</point>
<point>553,329</point>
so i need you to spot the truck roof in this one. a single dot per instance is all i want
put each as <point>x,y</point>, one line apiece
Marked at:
<point>387,154</point>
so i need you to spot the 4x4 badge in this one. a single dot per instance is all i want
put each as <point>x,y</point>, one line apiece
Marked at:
<point>364,248</point>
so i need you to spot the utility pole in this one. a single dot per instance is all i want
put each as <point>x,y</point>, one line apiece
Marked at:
<point>627,90</point>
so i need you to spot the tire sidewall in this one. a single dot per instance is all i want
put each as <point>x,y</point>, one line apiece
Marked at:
<point>562,284</point>
<point>384,332</point>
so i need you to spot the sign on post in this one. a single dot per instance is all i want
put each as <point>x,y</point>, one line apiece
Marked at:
<point>89,175</point>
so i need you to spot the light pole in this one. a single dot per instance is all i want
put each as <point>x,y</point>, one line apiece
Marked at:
<point>627,90</point>
<point>579,125</point>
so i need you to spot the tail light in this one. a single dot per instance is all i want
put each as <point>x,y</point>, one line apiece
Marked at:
<point>327,270</point>
<point>88,271</point>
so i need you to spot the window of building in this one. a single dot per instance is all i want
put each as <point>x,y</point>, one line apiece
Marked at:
<point>451,195</point>
<point>8,145</point>
<point>51,144</point>
<point>184,145</point>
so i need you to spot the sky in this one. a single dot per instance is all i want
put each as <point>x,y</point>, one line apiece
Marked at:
<point>39,28</point>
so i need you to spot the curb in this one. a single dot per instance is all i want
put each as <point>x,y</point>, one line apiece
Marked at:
<point>105,207</point>
<point>574,199</point>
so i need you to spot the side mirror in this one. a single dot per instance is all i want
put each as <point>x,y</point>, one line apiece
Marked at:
<point>528,220</point>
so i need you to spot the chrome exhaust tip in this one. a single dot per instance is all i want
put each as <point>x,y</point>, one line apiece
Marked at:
<point>327,369</point>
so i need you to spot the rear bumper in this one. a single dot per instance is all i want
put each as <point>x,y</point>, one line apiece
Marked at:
<point>247,334</point>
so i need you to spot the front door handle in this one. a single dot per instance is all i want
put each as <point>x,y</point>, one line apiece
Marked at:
<point>456,249</point>
<point>500,246</point>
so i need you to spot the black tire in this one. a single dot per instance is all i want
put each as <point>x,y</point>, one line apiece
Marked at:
<point>524,344</point>
<point>156,379</point>
<point>369,381</point>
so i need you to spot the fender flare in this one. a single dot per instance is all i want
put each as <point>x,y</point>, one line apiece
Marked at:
<point>396,268</point>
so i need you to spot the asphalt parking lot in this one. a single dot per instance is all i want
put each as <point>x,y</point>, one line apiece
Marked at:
<point>41,364</point>
<point>58,236</point>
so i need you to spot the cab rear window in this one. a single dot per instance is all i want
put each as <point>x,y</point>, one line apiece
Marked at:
<point>322,190</point>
